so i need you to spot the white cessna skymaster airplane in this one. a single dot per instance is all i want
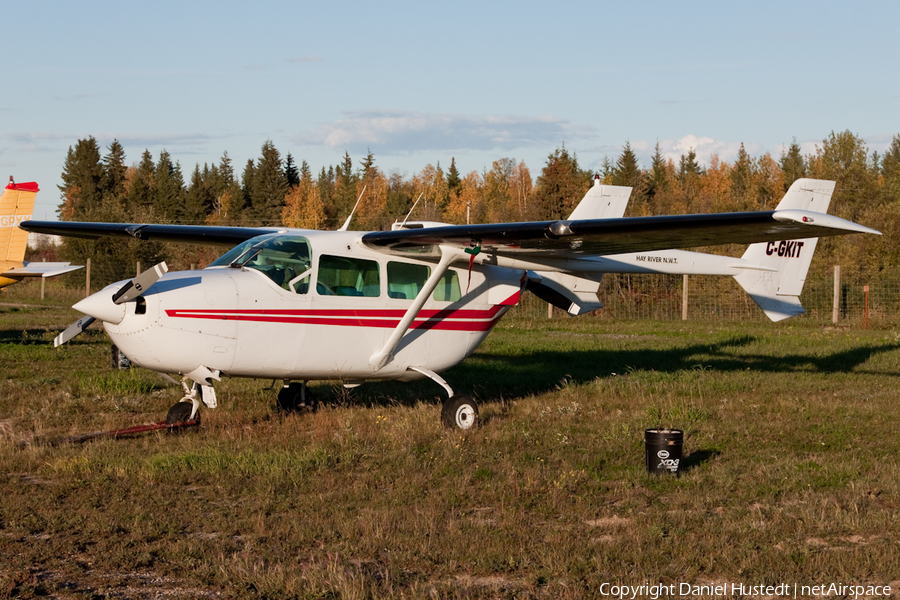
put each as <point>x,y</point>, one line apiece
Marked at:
<point>300,305</point>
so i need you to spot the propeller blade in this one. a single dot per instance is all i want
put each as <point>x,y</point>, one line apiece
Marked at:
<point>72,330</point>
<point>139,284</point>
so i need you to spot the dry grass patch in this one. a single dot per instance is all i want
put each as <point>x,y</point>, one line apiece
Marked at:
<point>788,474</point>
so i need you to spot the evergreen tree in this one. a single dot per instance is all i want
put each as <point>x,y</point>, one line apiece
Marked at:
<point>344,193</point>
<point>290,171</point>
<point>168,189</point>
<point>197,197</point>
<point>561,185</point>
<point>248,181</point>
<point>367,165</point>
<point>742,178</point>
<point>114,172</point>
<point>139,196</point>
<point>93,191</point>
<point>325,184</point>
<point>82,181</point>
<point>627,171</point>
<point>657,177</point>
<point>689,172</point>
<point>267,188</point>
<point>792,164</point>
<point>453,179</point>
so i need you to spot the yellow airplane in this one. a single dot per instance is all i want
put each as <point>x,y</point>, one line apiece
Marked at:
<point>16,205</point>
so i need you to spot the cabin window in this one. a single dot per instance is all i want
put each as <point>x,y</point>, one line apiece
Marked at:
<point>447,289</point>
<point>285,259</point>
<point>405,280</point>
<point>344,276</point>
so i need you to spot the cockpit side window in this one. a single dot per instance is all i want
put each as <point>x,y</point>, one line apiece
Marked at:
<point>285,259</point>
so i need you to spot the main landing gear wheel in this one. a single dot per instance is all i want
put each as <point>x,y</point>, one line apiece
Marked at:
<point>296,397</point>
<point>460,411</point>
<point>181,412</point>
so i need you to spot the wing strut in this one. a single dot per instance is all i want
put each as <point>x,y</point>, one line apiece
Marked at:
<point>384,356</point>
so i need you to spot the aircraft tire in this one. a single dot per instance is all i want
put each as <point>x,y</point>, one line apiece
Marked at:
<point>290,399</point>
<point>180,412</point>
<point>460,411</point>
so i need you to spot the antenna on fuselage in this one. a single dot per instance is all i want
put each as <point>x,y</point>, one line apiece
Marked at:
<point>412,209</point>
<point>347,222</point>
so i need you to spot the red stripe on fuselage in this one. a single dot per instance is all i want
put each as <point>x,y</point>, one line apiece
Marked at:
<point>445,320</point>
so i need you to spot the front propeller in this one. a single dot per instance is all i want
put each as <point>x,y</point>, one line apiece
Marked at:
<point>110,308</point>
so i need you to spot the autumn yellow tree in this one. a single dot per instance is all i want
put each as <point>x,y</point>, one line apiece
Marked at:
<point>497,198</point>
<point>303,207</point>
<point>372,213</point>
<point>467,206</point>
<point>768,180</point>
<point>431,185</point>
<point>715,187</point>
<point>521,188</point>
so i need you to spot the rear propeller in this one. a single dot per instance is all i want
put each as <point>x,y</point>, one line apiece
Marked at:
<point>101,306</point>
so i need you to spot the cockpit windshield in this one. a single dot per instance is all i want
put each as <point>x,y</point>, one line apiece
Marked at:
<point>283,258</point>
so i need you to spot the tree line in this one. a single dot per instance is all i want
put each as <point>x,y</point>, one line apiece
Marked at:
<point>273,190</point>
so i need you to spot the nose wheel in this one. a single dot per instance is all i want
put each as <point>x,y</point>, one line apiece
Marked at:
<point>188,408</point>
<point>181,412</point>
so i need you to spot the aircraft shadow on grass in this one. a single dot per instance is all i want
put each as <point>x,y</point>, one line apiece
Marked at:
<point>490,376</point>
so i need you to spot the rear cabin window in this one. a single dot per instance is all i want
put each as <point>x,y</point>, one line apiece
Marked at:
<point>405,279</point>
<point>344,276</point>
<point>447,289</point>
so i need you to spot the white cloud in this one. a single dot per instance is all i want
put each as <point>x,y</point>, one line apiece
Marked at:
<point>395,132</point>
<point>706,147</point>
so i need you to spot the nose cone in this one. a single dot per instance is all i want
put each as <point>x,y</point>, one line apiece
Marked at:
<point>101,307</point>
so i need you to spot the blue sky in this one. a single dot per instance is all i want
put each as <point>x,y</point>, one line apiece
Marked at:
<point>419,83</point>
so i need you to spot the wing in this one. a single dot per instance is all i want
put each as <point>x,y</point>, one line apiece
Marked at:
<point>599,237</point>
<point>193,234</point>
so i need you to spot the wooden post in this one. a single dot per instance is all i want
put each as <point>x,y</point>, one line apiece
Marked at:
<point>549,311</point>
<point>684,298</point>
<point>866,311</point>
<point>87,278</point>
<point>138,268</point>
<point>836,305</point>
<point>43,280</point>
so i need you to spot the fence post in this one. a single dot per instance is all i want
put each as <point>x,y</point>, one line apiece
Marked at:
<point>87,278</point>
<point>549,311</point>
<point>684,298</point>
<point>43,280</point>
<point>836,306</point>
<point>138,268</point>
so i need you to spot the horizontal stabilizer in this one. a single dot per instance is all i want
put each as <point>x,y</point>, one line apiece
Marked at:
<point>41,269</point>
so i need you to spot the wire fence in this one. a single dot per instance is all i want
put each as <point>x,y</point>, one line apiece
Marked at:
<point>866,297</point>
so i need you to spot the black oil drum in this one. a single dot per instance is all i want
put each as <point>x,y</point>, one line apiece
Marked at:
<point>663,450</point>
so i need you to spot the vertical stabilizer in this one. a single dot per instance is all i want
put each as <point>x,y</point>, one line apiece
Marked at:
<point>602,202</point>
<point>777,289</point>
<point>16,205</point>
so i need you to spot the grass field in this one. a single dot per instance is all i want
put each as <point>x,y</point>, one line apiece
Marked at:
<point>791,471</point>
